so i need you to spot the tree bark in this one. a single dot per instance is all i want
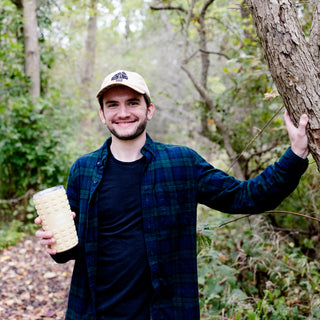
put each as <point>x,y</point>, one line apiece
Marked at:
<point>89,56</point>
<point>31,45</point>
<point>293,62</point>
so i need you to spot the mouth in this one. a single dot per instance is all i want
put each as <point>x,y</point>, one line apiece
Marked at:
<point>124,122</point>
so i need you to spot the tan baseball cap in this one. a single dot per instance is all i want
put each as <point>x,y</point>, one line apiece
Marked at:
<point>129,79</point>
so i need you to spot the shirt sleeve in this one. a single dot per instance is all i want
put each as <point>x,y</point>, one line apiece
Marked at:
<point>222,192</point>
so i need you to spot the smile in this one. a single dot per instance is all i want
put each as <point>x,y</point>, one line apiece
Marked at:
<point>124,122</point>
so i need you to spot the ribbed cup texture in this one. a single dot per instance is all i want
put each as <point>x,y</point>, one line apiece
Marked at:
<point>53,208</point>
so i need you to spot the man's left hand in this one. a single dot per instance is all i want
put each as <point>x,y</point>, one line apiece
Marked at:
<point>298,137</point>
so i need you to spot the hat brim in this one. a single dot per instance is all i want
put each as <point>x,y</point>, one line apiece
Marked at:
<point>105,89</point>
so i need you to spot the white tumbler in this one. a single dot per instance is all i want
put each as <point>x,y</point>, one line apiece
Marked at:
<point>53,208</point>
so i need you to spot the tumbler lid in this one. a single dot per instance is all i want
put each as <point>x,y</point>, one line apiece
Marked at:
<point>46,191</point>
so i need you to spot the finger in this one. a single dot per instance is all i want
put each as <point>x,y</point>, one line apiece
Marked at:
<point>287,119</point>
<point>286,113</point>
<point>38,220</point>
<point>47,242</point>
<point>52,251</point>
<point>73,214</point>
<point>303,120</point>
<point>43,234</point>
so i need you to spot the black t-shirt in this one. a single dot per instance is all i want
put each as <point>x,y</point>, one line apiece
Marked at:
<point>123,288</point>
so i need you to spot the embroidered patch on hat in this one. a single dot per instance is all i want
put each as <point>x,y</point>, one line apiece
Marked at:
<point>119,77</point>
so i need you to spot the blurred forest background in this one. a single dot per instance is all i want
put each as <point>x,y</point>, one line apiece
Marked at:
<point>54,57</point>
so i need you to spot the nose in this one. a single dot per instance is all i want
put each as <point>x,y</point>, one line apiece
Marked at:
<point>123,111</point>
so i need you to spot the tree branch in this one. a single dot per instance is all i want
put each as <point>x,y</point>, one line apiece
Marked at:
<point>178,8</point>
<point>219,124</point>
<point>291,230</point>
<point>271,211</point>
<point>214,52</point>
<point>255,137</point>
<point>27,194</point>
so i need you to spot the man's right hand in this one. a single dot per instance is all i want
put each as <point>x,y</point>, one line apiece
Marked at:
<point>46,237</point>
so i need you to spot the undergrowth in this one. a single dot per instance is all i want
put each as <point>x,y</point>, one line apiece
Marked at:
<point>246,270</point>
<point>13,232</point>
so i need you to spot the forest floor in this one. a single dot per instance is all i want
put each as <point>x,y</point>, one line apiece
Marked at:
<point>32,286</point>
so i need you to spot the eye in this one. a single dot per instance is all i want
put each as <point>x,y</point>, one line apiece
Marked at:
<point>111,105</point>
<point>133,103</point>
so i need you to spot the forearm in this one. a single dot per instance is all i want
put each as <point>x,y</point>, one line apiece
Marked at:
<point>220,191</point>
<point>278,181</point>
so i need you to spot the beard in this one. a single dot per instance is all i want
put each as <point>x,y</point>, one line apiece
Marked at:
<point>126,137</point>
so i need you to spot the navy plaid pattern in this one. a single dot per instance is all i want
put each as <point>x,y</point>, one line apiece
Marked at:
<point>175,180</point>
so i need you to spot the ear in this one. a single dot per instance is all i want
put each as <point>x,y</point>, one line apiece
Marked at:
<point>150,111</point>
<point>102,117</point>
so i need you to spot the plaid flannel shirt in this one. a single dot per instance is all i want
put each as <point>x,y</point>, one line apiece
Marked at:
<point>175,180</point>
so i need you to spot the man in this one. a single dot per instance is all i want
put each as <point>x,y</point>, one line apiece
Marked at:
<point>135,203</point>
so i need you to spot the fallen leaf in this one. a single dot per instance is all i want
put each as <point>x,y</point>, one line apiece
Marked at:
<point>50,275</point>
<point>50,313</point>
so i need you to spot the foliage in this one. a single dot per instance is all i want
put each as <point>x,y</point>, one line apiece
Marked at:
<point>12,79</point>
<point>34,141</point>
<point>251,272</point>
<point>13,232</point>
<point>35,145</point>
<point>10,233</point>
<point>246,270</point>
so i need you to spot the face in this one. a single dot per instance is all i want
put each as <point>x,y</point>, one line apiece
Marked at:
<point>125,113</point>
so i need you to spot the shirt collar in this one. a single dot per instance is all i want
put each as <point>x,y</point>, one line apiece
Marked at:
<point>147,150</point>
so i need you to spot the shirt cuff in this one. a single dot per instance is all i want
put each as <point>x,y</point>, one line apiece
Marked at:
<point>294,162</point>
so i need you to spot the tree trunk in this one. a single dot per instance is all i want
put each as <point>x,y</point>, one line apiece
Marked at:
<point>89,56</point>
<point>293,62</point>
<point>31,45</point>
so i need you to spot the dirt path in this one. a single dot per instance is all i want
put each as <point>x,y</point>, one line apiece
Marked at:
<point>32,285</point>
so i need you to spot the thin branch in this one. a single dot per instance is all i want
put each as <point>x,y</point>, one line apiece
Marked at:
<point>260,152</point>
<point>294,213</point>
<point>27,194</point>
<point>186,60</point>
<point>291,230</point>
<point>214,52</point>
<point>271,211</point>
<point>255,137</point>
<point>179,8</point>
<point>233,220</point>
<point>206,6</point>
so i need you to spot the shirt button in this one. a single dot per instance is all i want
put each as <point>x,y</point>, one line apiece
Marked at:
<point>95,181</point>
<point>98,163</point>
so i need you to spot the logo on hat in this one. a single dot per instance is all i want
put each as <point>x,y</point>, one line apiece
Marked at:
<point>119,77</point>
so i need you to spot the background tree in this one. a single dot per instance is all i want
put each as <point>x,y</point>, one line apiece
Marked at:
<point>31,45</point>
<point>227,71</point>
<point>89,54</point>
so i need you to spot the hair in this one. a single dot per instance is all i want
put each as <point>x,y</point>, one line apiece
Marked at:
<point>146,99</point>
